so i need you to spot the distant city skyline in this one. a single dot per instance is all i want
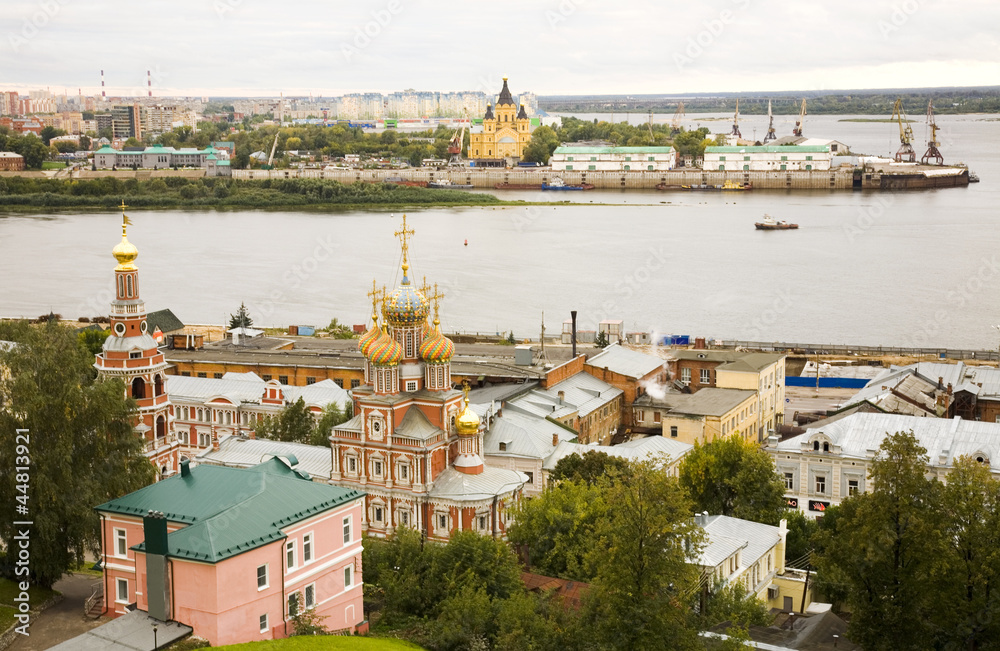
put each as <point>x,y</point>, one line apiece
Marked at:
<point>247,48</point>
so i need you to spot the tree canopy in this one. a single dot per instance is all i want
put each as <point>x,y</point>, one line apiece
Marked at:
<point>78,449</point>
<point>241,319</point>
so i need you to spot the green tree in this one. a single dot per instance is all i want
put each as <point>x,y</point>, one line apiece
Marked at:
<point>93,340</point>
<point>800,532</point>
<point>733,476</point>
<point>332,416</point>
<point>590,467</point>
<point>602,340</point>
<point>558,529</point>
<point>66,146</point>
<point>84,142</point>
<point>242,317</point>
<point>294,423</point>
<point>732,603</point>
<point>133,142</point>
<point>48,133</point>
<point>544,141</point>
<point>32,148</point>
<point>78,445</point>
<point>339,330</point>
<point>644,578</point>
<point>888,549</point>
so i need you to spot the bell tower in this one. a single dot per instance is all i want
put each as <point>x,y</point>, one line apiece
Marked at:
<point>130,353</point>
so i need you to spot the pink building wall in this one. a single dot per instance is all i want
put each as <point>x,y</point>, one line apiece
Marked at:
<point>222,602</point>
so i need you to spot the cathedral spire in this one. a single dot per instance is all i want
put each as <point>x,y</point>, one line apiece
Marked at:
<point>125,252</point>
<point>505,96</point>
<point>404,235</point>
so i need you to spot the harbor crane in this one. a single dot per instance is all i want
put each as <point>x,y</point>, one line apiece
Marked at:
<point>270,159</point>
<point>455,146</point>
<point>771,135</point>
<point>932,145</point>
<point>736,121</point>
<point>905,153</point>
<point>649,125</point>
<point>675,124</point>
<point>801,122</point>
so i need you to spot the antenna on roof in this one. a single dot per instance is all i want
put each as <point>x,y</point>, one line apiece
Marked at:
<point>543,358</point>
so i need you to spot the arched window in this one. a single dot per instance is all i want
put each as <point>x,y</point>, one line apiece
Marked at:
<point>826,446</point>
<point>121,287</point>
<point>128,284</point>
<point>138,388</point>
<point>158,386</point>
<point>161,427</point>
<point>816,446</point>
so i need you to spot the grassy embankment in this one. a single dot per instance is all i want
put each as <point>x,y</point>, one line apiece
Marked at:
<point>22,193</point>
<point>9,590</point>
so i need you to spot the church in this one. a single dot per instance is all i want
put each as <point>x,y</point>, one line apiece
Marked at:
<point>503,135</point>
<point>415,445</point>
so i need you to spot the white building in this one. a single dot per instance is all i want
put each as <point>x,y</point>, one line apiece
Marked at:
<point>827,464</point>
<point>157,157</point>
<point>613,159</point>
<point>768,158</point>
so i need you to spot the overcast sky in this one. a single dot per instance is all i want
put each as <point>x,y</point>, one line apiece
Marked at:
<point>330,47</point>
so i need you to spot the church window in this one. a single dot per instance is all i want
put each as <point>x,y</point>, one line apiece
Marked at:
<point>121,287</point>
<point>158,385</point>
<point>138,388</point>
<point>377,468</point>
<point>352,465</point>
<point>442,522</point>
<point>377,511</point>
<point>404,518</point>
<point>409,344</point>
<point>135,355</point>
<point>482,523</point>
<point>128,285</point>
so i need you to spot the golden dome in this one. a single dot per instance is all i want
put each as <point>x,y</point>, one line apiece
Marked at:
<point>467,423</point>
<point>125,253</point>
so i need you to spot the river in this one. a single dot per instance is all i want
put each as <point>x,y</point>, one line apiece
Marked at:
<point>910,269</point>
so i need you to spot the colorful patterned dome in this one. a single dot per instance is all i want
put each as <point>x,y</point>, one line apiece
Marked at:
<point>437,349</point>
<point>370,337</point>
<point>385,351</point>
<point>406,306</point>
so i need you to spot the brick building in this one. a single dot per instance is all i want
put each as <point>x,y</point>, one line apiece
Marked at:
<point>11,162</point>
<point>629,370</point>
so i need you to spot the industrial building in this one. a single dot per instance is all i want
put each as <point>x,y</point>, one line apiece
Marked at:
<point>614,159</point>
<point>767,158</point>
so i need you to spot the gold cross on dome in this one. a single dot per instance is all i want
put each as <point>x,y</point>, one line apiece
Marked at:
<point>403,234</point>
<point>125,220</point>
<point>436,297</point>
<point>374,294</point>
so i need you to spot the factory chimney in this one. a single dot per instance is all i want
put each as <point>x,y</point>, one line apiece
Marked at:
<point>149,84</point>
<point>573,315</point>
<point>103,94</point>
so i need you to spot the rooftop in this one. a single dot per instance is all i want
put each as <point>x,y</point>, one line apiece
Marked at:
<point>625,361</point>
<point>726,535</point>
<point>710,401</point>
<point>655,447</point>
<point>613,150</point>
<point>769,149</point>
<point>582,394</point>
<point>730,360</point>
<point>241,388</point>
<point>230,510</point>
<point>242,452</point>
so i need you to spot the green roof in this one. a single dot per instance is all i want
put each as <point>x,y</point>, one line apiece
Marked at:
<point>106,149</point>
<point>614,150</point>
<point>230,510</point>
<point>770,149</point>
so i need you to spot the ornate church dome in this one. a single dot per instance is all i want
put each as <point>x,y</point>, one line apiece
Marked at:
<point>369,338</point>
<point>467,423</point>
<point>436,348</point>
<point>406,306</point>
<point>385,351</point>
<point>125,253</point>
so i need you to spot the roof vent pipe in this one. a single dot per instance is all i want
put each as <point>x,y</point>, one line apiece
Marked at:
<point>573,315</point>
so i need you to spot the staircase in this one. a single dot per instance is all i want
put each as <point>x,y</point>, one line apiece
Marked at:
<point>94,606</point>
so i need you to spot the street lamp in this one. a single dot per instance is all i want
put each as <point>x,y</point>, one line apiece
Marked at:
<point>155,645</point>
<point>997,328</point>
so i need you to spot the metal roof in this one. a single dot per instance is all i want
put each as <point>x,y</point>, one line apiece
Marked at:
<point>523,436</point>
<point>626,362</point>
<point>860,435</point>
<point>165,320</point>
<point>230,510</point>
<point>769,149</point>
<point>242,452</point>
<point>613,150</point>
<point>655,447</point>
<point>730,359</point>
<point>723,531</point>
<point>249,388</point>
<point>710,401</point>
<point>416,426</point>
<point>491,482</point>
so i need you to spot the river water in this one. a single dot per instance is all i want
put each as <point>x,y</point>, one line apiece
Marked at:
<point>918,268</point>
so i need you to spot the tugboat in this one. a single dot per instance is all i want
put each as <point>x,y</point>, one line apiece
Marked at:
<point>557,184</point>
<point>446,184</point>
<point>733,185</point>
<point>517,186</point>
<point>769,223</point>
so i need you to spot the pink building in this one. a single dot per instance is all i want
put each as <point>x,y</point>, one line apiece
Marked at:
<point>231,551</point>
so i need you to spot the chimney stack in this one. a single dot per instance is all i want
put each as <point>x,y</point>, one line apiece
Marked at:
<point>149,83</point>
<point>103,94</point>
<point>154,532</point>
<point>562,396</point>
<point>573,314</point>
<point>940,382</point>
<point>555,439</point>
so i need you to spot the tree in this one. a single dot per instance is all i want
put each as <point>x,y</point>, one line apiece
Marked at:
<point>544,141</point>
<point>32,148</point>
<point>294,143</point>
<point>93,340</point>
<point>78,445</point>
<point>132,141</point>
<point>602,340</point>
<point>558,529</point>
<point>590,467</point>
<point>332,416</point>
<point>242,317</point>
<point>84,142</point>
<point>294,423</point>
<point>732,603</point>
<point>638,597</point>
<point>48,133</point>
<point>732,476</point>
<point>66,146</point>
<point>339,330</point>
<point>888,549</point>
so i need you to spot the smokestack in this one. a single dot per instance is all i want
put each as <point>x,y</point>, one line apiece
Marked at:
<point>573,315</point>
<point>154,531</point>
<point>103,94</point>
<point>149,84</point>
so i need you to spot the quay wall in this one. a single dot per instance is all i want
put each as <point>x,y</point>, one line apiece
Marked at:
<point>487,178</point>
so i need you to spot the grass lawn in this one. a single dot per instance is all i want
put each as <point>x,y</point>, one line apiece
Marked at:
<point>326,642</point>
<point>36,595</point>
<point>53,164</point>
<point>6,617</point>
<point>85,568</point>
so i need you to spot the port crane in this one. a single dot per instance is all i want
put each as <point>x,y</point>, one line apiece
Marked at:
<point>736,121</point>
<point>771,135</point>
<point>905,153</point>
<point>932,145</point>
<point>270,159</point>
<point>649,125</point>
<point>801,122</point>
<point>675,124</point>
